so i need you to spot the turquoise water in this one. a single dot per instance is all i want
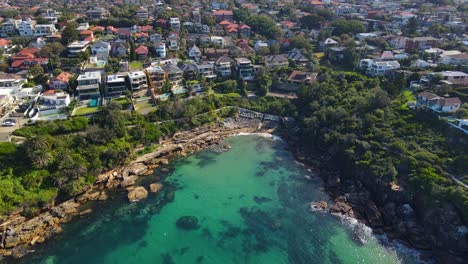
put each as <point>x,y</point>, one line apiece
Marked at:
<point>251,203</point>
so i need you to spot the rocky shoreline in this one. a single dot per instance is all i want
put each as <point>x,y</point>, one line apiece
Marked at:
<point>438,233</point>
<point>18,235</point>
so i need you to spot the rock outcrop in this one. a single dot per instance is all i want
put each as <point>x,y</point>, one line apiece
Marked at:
<point>137,194</point>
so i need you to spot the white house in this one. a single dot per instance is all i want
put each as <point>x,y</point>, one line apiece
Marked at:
<point>101,50</point>
<point>219,41</point>
<point>51,102</point>
<point>89,85</point>
<point>260,44</point>
<point>174,23</point>
<point>437,103</point>
<point>26,28</point>
<point>138,80</point>
<point>44,30</point>
<point>378,68</point>
<point>160,48</point>
<point>76,47</point>
<point>194,53</point>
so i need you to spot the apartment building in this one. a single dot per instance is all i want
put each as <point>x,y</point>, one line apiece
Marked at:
<point>244,69</point>
<point>157,77</point>
<point>44,29</point>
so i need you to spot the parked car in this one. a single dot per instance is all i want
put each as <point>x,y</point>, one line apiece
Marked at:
<point>9,123</point>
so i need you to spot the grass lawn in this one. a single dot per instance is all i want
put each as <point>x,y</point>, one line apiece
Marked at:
<point>319,55</point>
<point>408,97</point>
<point>136,65</point>
<point>121,100</point>
<point>84,110</point>
<point>145,107</point>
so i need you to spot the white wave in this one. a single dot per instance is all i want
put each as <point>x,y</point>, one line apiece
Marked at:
<point>265,135</point>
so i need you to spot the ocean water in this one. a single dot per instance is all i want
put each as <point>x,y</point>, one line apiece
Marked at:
<point>251,204</point>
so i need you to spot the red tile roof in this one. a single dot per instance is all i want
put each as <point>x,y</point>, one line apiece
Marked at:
<point>141,50</point>
<point>222,13</point>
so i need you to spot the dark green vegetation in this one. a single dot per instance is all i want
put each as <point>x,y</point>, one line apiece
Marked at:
<point>374,139</point>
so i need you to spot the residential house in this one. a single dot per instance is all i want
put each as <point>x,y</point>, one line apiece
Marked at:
<point>97,13</point>
<point>174,23</point>
<point>218,41</point>
<point>223,67</point>
<point>87,35</point>
<point>296,55</point>
<point>398,42</point>
<point>454,78</point>
<point>260,45</point>
<point>221,15</point>
<point>52,102</point>
<point>4,44</point>
<point>328,43</point>
<point>244,31</point>
<point>89,85</point>
<point>141,37</point>
<point>44,30</point>
<point>138,80</point>
<point>205,69</point>
<point>26,58</point>
<point>157,77</point>
<point>302,77</point>
<point>116,85</point>
<point>457,59</point>
<point>101,50</point>
<point>76,47</point>
<point>437,103</point>
<point>142,52</point>
<point>173,43</point>
<point>125,33</point>
<point>213,53</point>
<point>378,68</point>
<point>421,43</point>
<point>60,82</point>
<point>26,28</point>
<point>190,71</point>
<point>83,26</point>
<point>276,61</point>
<point>120,48</point>
<point>194,53</point>
<point>244,69</point>
<point>160,48</point>
<point>51,15</point>
<point>9,27</point>
<point>174,75</point>
<point>155,37</point>
<point>142,14</point>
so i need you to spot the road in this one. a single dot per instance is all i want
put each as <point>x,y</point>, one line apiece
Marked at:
<point>6,131</point>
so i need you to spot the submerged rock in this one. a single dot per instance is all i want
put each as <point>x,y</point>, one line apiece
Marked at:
<point>137,194</point>
<point>187,222</point>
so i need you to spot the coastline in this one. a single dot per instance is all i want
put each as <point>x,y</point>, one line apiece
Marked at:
<point>19,234</point>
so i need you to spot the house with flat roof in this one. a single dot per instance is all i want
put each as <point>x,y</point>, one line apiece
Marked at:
<point>89,85</point>
<point>115,86</point>
<point>138,80</point>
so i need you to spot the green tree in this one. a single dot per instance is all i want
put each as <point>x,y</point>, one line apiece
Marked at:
<point>312,21</point>
<point>352,27</point>
<point>35,71</point>
<point>70,33</point>
<point>411,26</point>
<point>263,84</point>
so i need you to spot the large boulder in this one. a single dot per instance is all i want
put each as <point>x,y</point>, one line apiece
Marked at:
<point>187,222</point>
<point>66,209</point>
<point>155,187</point>
<point>137,169</point>
<point>341,208</point>
<point>137,194</point>
<point>128,181</point>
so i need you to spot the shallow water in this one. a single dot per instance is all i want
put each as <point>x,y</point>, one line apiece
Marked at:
<point>251,203</point>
